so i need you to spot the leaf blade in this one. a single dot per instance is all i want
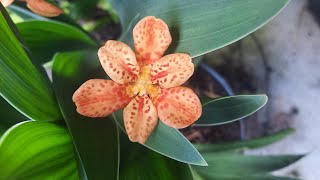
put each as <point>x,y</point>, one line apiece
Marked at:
<point>229,109</point>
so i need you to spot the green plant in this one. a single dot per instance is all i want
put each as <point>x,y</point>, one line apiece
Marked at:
<point>46,138</point>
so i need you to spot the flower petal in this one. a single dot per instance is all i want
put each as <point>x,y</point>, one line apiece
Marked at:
<point>178,107</point>
<point>151,39</point>
<point>100,98</point>
<point>43,8</point>
<point>119,62</point>
<point>140,117</point>
<point>172,70</point>
<point>6,3</point>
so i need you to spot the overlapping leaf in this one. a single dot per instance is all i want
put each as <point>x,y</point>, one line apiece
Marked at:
<point>95,139</point>
<point>22,82</point>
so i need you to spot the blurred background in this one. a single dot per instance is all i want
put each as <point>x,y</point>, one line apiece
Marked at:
<point>282,59</point>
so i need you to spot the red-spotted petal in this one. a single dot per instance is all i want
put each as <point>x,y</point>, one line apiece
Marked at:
<point>119,62</point>
<point>151,39</point>
<point>6,3</point>
<point>140,118</point>
<point>43,8</point>
<point>172,70</point>
<point>178,107</point>
<point>100,98</point>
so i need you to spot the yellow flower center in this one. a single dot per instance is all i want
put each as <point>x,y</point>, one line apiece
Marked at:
<point>143,85</point>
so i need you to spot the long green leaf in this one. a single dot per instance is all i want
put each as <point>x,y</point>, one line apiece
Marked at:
<point>241,177</point>
<point>169,142</point>
<point>37,150</point>
<point>138,162</point>
<point>23,83</point>
<point>254,143</point>
<point>200,26</point>
<point>229,109</point>
<point>96,139</point>
<point>45,38</point>
<point>238,164</point>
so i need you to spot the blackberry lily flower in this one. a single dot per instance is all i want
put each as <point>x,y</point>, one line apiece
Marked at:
<point>144,83</point>
<point>41,7</point>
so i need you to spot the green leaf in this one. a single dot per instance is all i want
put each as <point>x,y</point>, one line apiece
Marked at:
<point>229,109</point>
<point>169,142</point>
<point>83,8</point>
<point>9,115</point>
<point>238,164</point>
<point>23,83</point>
<point>242,177</point>
<point>199,26</point>
<point>138,162</point>
<point>254,143</point>
<point>45,38</point>
<point>96,139</point>
<point>37,150</point>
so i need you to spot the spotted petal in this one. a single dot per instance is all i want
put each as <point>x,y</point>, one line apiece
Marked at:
<point>140,117</point>
<point>100,98</point>
<point>151,39</point>
<point>6,3</point>
<point>43,8</point>
<point>172,70</point>
<point>119,62</point>
<point>178,107</point>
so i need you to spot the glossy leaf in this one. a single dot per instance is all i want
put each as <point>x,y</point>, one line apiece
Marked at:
<point>199,26</point>
<point>138,162</point>
<point>45,38</point>
<point>9,115</point>
<point>37,150</point>
<point>22,82</point>
<point>95,139</point>
<point>242,177</point>
<point>169,142</point>
<point>251,144</point>
<point>229,109</point>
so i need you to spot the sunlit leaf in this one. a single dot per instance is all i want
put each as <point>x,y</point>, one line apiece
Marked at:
<point>37,150</point>
<point>22,82</point>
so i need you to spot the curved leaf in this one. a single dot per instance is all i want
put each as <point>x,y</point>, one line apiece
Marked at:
<point>45,38</point>
<point>169,142</point>
<point>37,150</point>
<point>95,139</point>
<point>200,26</point>
<point>23,83</point>
<point>138,162</point>
<point>228,109</point>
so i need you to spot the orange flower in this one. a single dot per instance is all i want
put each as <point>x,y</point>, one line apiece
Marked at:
<point>40,7</point>
<point>145,84</point>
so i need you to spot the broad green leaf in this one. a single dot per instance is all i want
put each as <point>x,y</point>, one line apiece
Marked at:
<point>254,143</point>
<point>238,164</point>
<point>95,139</point>
<point>138,162</point>
<point>22,82</point>
<point>168,142</point>
<point>199,26</point>
<point>9,116</point>
<point>37,150</point>
<point>45,38</point>
<point>229,109</point>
